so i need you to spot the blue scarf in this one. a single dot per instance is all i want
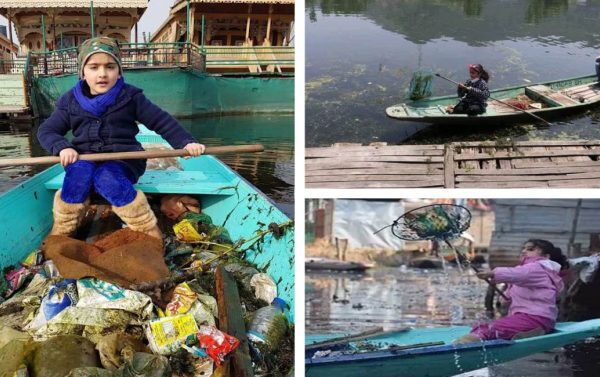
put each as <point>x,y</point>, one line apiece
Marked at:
<point>99,104</point>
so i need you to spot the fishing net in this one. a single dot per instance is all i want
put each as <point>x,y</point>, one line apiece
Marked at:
<point>420,85</point>
<point>432,222</point>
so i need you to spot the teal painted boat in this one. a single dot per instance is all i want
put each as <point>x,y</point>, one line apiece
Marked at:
<point>556,98</point>
<point>26,213</point>
<point>411,353</point>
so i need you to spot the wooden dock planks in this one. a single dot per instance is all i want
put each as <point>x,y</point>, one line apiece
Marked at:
<point>523,164</point>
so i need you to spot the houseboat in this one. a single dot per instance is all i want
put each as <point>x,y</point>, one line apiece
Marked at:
<point>253,36</point>
<point>46,25</point>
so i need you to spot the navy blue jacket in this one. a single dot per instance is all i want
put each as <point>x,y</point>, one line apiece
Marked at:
<point>114,131</point>
<point>478,94</point>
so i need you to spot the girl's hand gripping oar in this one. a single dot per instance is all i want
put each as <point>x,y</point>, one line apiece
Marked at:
<point>497,100</point>
<point>48,160</point>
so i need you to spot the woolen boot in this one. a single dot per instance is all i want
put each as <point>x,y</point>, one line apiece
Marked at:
<point>67,216</point>
<point>139,216</point>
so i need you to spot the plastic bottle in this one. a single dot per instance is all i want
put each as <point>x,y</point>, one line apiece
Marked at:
<point>268,325</point>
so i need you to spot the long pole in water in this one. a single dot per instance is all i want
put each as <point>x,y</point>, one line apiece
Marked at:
<point>462,256</point>
<point>47,160</point>
<point>502,102</point>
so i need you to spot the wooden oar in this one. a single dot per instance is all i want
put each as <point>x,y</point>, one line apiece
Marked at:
<point>461,256</point>
<point>502,102</point>
<point>132,155</point>
<point>330,343</point>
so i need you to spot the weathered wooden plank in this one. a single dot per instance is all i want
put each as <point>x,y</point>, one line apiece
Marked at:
<point>231,321</point>
<point>557,164</point>
<point>367,164</point>
<point>529,171</point>
<point>385,171</point>
<point>520,154</point>
<point>333,152</point>
<point>355,148</point>
<point>368,177</point>
<point>501,184</point>
<point>582,183</point>
<point>433,182</point>
<point>449,167</point>
<point>514,178</point>
<point>528,143</point>
<point>468,163</point>
<point>344,160</point>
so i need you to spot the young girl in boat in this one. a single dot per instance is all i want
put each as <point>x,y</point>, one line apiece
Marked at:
<point>473,93</point>
<point>101,111</point>
<point>534,286</point>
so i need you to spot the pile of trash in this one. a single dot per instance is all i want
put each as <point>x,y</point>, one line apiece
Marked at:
<point>118,307</point>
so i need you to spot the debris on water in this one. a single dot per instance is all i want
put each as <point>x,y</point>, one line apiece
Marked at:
<point>148,305</point>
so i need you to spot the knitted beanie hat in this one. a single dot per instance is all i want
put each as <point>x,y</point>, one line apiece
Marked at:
<point>92,46</point>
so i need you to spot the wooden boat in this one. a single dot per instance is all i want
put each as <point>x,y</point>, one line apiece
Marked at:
<point>335,265</point>
<point>231,201</point>
<point>430,352</point>
<point>557,98</point>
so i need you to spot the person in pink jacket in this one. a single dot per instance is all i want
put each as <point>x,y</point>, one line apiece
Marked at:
<point>534,286</point>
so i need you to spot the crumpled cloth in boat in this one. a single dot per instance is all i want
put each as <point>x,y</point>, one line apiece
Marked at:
<point>125,257</point>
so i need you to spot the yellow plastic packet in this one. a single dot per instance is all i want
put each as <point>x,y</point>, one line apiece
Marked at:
<point>186,231</point>
<point>166,335</point>
<point>183,299</point>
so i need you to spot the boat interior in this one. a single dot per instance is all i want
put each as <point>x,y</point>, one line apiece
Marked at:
<point>542,96</point>
<point>531,98</point>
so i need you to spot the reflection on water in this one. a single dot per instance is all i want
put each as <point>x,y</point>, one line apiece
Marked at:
<point>361,55</point>
<point>398,297</point>
<point>271,171</point>
<point>391,298</point>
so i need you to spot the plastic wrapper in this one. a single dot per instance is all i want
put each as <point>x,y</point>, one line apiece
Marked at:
<point>183,299</point>
<point>50,269</point>
<point>202,315</point>
<point>94,293</point>
<point>16,279</point>
<point>210,303</point>
<point>33,259</point>
<point>197,227</point>
<point>60,296</point>
<point>91,323</point>
<point>216,343</point>
<point>186,231</point>
<point>166,335</point>
<point>264,287</point>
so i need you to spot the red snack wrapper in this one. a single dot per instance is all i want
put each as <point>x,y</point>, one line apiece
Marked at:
<point>216,343</point>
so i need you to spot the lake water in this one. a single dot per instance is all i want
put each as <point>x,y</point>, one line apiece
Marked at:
<point>361,55</point>
<point>271,171</point>
<point>399,297</point>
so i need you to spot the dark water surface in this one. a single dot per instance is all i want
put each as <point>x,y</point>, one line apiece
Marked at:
<point>271,171</point>
<point>361,55</point>
<point>398,297</point>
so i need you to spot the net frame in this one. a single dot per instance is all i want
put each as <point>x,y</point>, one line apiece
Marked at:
<point>432,222</point>
<point>421,85</point>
